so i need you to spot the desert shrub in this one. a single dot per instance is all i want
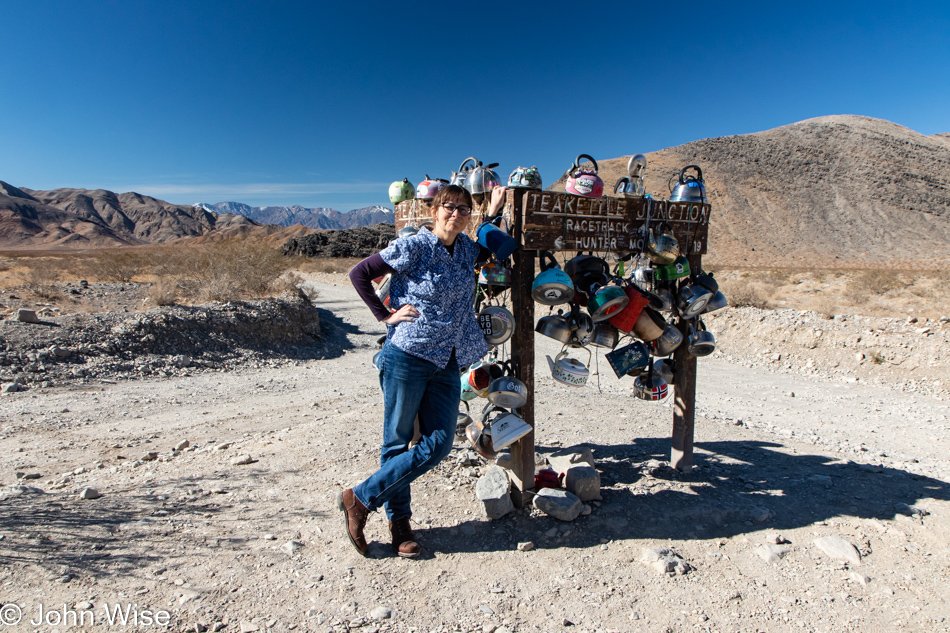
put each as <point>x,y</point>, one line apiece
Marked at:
<point>221,271</point>
<point>120,265</point>
<point>776,277</point>
<point>744,294</point>
<point>163,292</point>
<point>877,282</point>
<point>39,275</point>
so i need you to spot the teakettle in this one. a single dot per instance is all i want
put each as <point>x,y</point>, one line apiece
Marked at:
<point>692,300</point>
<point>629,188</point>
<point>688,188</point>
<point>507,391</point>
<point>605,335</point>
<point>554,326</point>
<point>584,182</point>
<point>625,319</point>
<point>497,323</point>
<point>650,386</point>
<point>701,342</point>
<point>506,428</point>
<point>667,342</point>
<point>525,178</point>
<point>427,189</point>
<point>568,371</point>
<point>676,270</point>
<point>552,286</point>
<point>401,191</point>
<point>482,179</point>
<point>662,248</point>
<point>458,177</point>
<point>606,301</point>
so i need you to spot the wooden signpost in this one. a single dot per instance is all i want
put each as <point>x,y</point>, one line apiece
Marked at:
<point>557,221</point>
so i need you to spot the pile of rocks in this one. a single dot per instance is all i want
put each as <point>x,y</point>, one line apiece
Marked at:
<point>572,466</point>
<point>359,242</point>
<point>172,340</point>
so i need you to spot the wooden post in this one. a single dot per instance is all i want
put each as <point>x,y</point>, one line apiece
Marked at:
<point>684,405</point>
<point>522,353</point>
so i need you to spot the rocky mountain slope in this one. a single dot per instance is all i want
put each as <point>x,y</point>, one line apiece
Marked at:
<point>317,218</point>
<point>830,191</point>
<point>98,218</point>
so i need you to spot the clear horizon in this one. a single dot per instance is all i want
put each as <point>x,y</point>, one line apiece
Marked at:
<point>323,106</point>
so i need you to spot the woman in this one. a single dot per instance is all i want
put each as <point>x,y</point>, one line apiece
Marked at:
<point>431,333</point>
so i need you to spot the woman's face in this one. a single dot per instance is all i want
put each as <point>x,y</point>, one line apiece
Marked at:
<point>449,219</point>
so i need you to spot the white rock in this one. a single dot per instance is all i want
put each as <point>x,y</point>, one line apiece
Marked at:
<point>839,549</point>
<point>182,445</point>
<point>493,490</point>
<point>559,504</point>
<point>771,553</point>
<point>242,460</point>
<point>381,613</point>
<point>89,493</point>
<point>291,547</point>
<point>861,579</point>
<point>527,546</point>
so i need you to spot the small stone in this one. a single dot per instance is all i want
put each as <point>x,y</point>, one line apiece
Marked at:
<point>761,515</point>
<point>223,446</point>
<point>26,316</point>
<point>29,476</point>
<point>291,547</point>
<point>83,606</point>
<point>910,511</point>
<point>859,357</point>
<point>484,608</point>
<point>839,549</point>
<point>585,510</point>
<point>381,613</point>
<point>242,460</point>
<point>665,561</point>
<point>527,546</point>
<point>560,504</point>
<point>492,489</point>
<point>861,579</point>
<point>150,456</point>
<point>89,493</point>
<point>182,445</point>
<point>270,537</point>
<point>771,553</point>
<point>583,481</point>
<point>777,539</point>
<point>248,627</point>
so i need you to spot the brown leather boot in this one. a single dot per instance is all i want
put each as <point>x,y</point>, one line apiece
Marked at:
<point>404,543</point>
<point>354,515</point>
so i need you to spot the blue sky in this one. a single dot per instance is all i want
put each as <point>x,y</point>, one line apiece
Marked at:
<point>324,104</point>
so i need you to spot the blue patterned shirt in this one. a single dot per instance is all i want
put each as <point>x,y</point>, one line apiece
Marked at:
<point>442,288</point>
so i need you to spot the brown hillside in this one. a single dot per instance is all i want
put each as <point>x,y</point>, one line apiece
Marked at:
<point>830,191</point>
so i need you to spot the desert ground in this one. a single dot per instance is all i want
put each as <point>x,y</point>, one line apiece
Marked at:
<point>216,507</point>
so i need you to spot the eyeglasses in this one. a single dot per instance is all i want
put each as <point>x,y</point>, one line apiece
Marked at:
<point>463,209</point>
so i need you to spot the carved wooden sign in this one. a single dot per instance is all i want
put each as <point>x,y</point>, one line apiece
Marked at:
<point>559,221</point>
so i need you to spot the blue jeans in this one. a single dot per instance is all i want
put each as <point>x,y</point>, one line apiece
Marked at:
<point>411,386</point>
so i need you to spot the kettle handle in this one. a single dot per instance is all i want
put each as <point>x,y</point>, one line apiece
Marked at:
<point>577,162</point>
<point>544,258</point>
<point>664,228</point>
<point>488,411</point>
<point>698,171</point>
<point>466,162</point>
<point>623,180</point>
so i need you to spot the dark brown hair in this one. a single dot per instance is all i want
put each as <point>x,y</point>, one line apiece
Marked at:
<point>452,193</point>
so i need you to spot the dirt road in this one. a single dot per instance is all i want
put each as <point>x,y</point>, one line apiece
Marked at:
<point>782,461</point>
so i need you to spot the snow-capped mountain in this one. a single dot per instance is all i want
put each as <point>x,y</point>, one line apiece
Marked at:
<point>318,218</point>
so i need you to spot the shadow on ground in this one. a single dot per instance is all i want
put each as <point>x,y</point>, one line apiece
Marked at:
<point>734,488</point>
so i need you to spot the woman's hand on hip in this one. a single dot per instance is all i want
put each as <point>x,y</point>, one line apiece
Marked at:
<point>405,313</point>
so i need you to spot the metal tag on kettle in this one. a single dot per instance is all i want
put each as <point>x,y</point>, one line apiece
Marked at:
<point>628,358</point>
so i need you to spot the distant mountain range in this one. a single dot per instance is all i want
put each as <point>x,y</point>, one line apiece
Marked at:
<point>319,218</point>
<point>97,218</point>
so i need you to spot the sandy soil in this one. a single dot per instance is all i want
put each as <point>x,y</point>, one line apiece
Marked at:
<point>785,455</point>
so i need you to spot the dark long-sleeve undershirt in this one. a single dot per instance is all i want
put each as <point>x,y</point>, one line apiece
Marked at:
<point>362,277</point>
